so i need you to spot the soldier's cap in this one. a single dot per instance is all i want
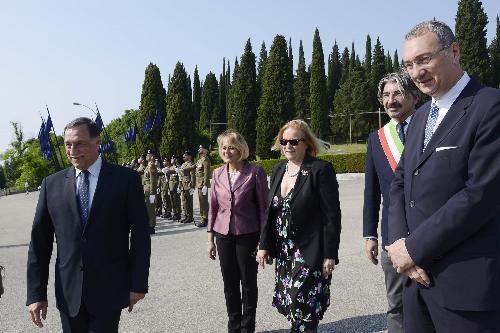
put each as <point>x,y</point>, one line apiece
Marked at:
<point>188,152</point>
<point>150,151</point>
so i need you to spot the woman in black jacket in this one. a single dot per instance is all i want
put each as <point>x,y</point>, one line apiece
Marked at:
<point>303,227</point>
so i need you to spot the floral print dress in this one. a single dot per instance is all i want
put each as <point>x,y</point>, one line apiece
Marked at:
<point>301,294</point>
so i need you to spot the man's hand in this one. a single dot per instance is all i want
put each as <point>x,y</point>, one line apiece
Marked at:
<point>262,257</point>
<point>35,309</point>
<point>418,274</point>
<point>400,258</point>
<point>371,248</point>
<point>328,267</point>
<point>133,299</point>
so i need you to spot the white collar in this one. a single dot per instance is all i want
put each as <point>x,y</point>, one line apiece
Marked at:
<point>447,100</point>
<point>94,169</point>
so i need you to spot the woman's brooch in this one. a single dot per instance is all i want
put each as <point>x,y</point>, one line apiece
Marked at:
<point>305,172</point>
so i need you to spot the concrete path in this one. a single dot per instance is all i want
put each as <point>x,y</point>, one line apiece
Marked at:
<point>186,287</point>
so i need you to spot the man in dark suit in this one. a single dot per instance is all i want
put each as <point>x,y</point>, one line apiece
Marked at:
<point>444,217</point>
<point>91,208</point>
<point>398,95</point>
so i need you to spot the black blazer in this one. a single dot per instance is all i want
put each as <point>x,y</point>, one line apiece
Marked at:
<point>315,212</point>
<point>378,178</point>
<point>446,200</point>
<point>95,264</point>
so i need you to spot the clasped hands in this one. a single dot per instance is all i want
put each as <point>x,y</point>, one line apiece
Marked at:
<point>404,264</point>
<point>262,258</point>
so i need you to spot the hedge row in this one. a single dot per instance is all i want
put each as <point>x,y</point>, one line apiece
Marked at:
<point>343,163</point>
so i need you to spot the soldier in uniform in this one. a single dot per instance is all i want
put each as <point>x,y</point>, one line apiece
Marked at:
<point>141,165</point>
<point>173,188</point>
<point>150,184</point>
<point>159,201</point>
<point>202,184</point>
<point>187,183</point>
<point>163,181</point>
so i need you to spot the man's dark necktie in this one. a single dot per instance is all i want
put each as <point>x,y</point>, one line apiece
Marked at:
<point>431,122</point>
<point>400,128</point>
<point>83,195</point>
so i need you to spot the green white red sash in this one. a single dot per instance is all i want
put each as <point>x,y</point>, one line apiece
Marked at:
<point>391,143</point>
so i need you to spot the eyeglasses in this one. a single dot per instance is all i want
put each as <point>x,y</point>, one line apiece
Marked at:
<point>422,61</point>
<point>293,142</point>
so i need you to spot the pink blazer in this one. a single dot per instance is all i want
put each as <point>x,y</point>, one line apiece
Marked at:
<point>242,209</point>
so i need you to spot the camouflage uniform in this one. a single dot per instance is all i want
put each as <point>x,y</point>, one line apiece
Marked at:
<point>187,183</point>
<point>150,184</point>
<point>173,191</point>
<point>203,181</point>
<point>166,209</point>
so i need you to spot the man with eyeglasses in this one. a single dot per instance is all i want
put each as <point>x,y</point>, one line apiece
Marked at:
<point>398,95</point>
<point>444,215</point>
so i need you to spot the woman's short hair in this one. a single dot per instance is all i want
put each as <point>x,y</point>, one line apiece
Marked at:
<point>314,145</point>
<point>235,140</point>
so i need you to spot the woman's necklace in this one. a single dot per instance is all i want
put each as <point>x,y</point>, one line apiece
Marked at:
<point>291,174</point>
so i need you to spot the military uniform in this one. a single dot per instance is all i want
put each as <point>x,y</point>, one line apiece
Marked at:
<point>187,183</point>
<point>173,191</point>
<point>150,184</point>
<point>166,208</point>
<point>202,184</point>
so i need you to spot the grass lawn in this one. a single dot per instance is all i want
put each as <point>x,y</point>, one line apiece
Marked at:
<point>347,149</point>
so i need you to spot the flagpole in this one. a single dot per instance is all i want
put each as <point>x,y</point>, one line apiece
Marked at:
<point>108,138</point>
<point>57,141</point>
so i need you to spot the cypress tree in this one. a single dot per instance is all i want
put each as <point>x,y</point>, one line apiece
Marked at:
<point>260,69</point>
<point>209,102</point>
<point>344,61</point>
<point>222,93</point>
<point>152,100</point>
<point>317,90</point>
<point>352,58</point>
<point>368,54</point>
<point>494,50</point>
<point>388,63</point>
<point>470,30</point>
<point>244,94</point>
<point>291,76</point>
<point>378,71</point>
<point>334,74</point>
<point>196,96</point>
<point>177,130</point>
<point>301,87</point>
<point>276,100</point>
<point>395,62</point>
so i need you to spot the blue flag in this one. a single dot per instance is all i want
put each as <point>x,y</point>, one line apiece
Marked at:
<point>98,121</point>
<point>43,137</point>
<point>156,120</point>
<point>135,132</point>
<point>147,126</point>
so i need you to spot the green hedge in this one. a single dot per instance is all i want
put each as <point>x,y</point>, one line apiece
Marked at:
<point>343,163</point>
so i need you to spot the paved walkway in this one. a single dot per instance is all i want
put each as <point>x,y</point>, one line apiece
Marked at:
<point>186,287</point>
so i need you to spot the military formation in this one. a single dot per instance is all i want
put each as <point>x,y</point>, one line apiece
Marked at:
<point>169,186</point>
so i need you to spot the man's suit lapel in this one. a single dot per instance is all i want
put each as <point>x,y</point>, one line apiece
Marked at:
<point>69,194</point>
<point>452,118</point>
<point>103,182</point>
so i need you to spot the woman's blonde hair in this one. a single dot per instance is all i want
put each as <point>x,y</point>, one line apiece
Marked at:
<point>314,145</point>
<point>236,140</point>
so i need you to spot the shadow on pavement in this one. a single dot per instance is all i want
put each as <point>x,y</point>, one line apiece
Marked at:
<point>360,324</point>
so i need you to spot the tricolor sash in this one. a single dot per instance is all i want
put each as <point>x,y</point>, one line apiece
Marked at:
<point>391,143</point>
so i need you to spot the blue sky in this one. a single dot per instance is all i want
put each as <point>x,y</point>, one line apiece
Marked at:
<point>59,52</point>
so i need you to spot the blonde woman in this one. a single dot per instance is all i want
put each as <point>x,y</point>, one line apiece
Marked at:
<point>238,199</point>
<point>303,227</point>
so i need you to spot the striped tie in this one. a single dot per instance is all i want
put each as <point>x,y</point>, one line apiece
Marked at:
<point>431,122</point>
<point>83,195</point>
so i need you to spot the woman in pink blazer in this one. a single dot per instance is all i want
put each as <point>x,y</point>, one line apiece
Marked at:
<point>238,200</point>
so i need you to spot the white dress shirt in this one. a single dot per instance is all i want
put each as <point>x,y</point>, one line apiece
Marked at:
<point>446,101</point>
<point>94,171</point>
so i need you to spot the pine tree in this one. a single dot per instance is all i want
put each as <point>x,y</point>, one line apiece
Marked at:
<point>276,100</point>
<point>178,128</point>
<point>494,50</point>
<point>152,100</point>
<point>244,98</point>
<point>395,62</point>
<point>260,69</point>
<point>368,54</point>
<point>334,74</point>
<point>470,30</point>
<point>196,96</point>
<point>388,63</point>
<point>301,88</point>
<point>209,102</point>
<point>317,91</point>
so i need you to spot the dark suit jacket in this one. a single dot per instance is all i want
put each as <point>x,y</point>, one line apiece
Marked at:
<point>97,264</point>
<point>315,212</point>
<point>446,200</point>
<point>378,178</point>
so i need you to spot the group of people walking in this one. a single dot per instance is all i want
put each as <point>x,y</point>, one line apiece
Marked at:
<point>434,169</point>
<point>169,186</point>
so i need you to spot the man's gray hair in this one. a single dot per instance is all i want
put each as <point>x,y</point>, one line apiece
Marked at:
<point>442,30</point>
<point>403,81</point>
<point>94,130</point>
